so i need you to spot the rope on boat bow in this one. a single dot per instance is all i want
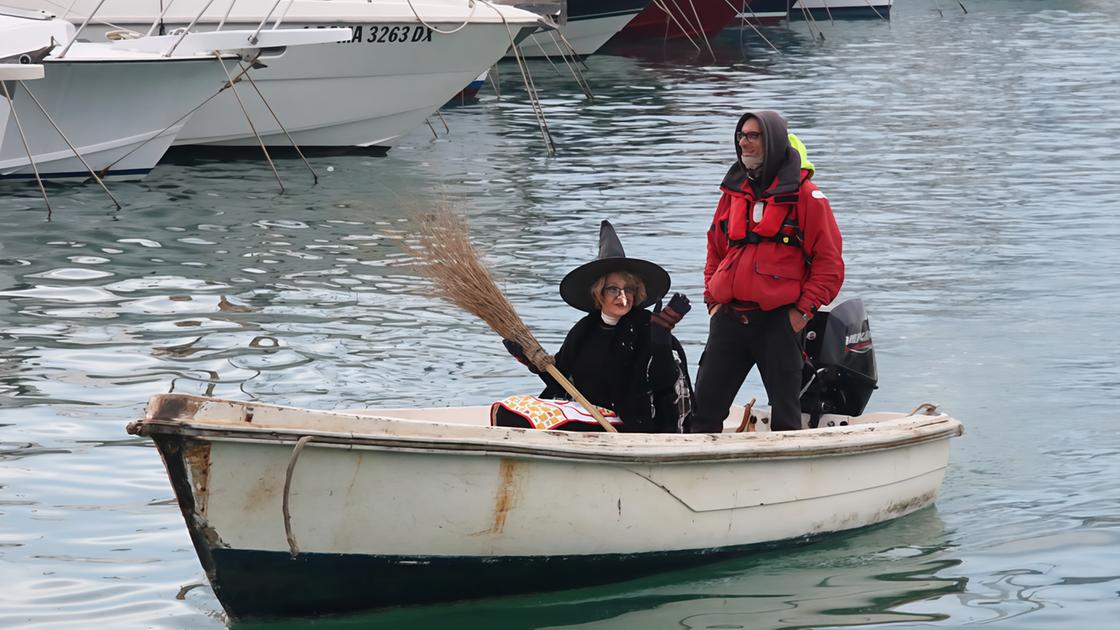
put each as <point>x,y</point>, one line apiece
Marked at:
<point>293,548</point>
<point>928,408</point>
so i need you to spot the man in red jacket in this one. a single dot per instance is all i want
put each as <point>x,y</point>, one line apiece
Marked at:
<point>774,257</point>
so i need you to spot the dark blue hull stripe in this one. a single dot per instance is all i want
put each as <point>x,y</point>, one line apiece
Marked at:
<point>265,584</point>
<point>76,174</point>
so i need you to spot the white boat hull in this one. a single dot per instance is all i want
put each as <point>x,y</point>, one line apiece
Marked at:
<point>431,511</point>
<point>586,36</point>
<point>361,94</point>
<point>129,136</point>
<point>368,91</point>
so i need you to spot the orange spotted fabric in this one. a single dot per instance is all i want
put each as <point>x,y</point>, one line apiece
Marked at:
<point>544,414</point>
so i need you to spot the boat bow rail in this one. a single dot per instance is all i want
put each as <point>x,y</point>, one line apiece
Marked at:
<point>219,420</point>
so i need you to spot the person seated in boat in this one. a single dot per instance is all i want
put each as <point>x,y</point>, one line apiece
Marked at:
<point>620,356</point>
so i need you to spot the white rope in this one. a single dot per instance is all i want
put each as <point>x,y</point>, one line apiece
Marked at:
<point>186,31</point>
<point>79,31</point>
<point>253,37</point>
<point>471,3</point>
<point>283,15</point>
<point>660,4</point>
<point>700,29</point>
<point>156,22</point>
<point>225,17</point>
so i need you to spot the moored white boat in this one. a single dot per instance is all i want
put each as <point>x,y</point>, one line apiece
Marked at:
<point>584,26</point>
<point>120,104</point>
<point>403,60</point>
<point>298,512</point>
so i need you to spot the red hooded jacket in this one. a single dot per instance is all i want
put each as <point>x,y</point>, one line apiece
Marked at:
<point>776,247</point>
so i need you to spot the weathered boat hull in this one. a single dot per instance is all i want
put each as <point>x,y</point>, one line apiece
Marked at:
<point>391,512</point>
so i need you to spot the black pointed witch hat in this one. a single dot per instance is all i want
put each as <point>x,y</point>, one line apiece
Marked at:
<point>575,288</point>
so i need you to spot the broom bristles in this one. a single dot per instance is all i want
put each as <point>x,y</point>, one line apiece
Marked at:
<point>460,277</point>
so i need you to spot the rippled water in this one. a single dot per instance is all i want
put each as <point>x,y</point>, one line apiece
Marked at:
<point>971,162</point>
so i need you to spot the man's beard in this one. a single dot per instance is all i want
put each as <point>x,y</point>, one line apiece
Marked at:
<point>751,162</point>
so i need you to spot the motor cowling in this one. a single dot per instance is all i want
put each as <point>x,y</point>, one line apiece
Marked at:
<point>840,373</point>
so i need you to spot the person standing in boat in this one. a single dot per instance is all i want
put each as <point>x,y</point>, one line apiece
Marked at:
<point>620,356</point>
<point>774,257</point>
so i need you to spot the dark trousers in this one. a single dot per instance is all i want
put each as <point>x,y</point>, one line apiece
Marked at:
<point>737,341</point>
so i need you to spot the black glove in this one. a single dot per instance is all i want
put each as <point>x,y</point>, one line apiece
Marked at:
<point>679,306</point>
<point>518,353</point>
<point>659,332</point>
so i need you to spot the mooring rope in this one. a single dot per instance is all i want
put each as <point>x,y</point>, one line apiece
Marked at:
<point>77,153</point>
<point>868,2</point>
<point>660,4</point>
<point>930,409</point>
<point>470,16</point>
<point>27,148</point>
<point>293,547</point>
<point>750,24</point>
<point>700,29</point>
<point>249,119</point>
<point>268,106</point>
<point>530,87</point>
<point>183,117</point>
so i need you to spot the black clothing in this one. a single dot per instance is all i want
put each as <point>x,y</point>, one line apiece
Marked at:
<point>618,367</point>
<point>737,340</point>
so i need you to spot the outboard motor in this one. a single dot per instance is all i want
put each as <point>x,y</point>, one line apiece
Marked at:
<point>839,373</point>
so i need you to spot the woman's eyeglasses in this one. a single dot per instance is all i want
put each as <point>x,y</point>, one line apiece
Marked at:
<point>613,291</point>
<point>751,136</point>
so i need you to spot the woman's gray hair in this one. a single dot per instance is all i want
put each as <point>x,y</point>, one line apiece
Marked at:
<point>631,280</point>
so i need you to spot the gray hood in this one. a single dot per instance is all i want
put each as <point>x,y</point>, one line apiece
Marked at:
<point>779,156</point>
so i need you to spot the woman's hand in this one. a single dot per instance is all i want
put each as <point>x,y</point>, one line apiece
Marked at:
<point>663,320</point>
<point>518,353</point>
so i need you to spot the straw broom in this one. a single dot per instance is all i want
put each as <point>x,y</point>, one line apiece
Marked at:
<point>460,277</point>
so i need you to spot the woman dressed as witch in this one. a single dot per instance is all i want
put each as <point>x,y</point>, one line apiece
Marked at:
<point>621,357</point>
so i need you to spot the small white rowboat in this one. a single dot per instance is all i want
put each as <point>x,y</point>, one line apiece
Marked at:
<point>297,512</point>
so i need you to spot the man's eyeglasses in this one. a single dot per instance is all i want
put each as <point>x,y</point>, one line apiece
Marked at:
<point>751,136</point>
<point>613,291</point>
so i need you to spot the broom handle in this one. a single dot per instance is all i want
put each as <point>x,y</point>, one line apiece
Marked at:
<point>571,389</point>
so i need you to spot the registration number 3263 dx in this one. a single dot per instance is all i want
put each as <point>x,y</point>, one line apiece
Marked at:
<point>375,34</point>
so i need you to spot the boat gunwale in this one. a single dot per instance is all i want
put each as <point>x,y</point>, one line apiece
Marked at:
<point>589,447</point>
